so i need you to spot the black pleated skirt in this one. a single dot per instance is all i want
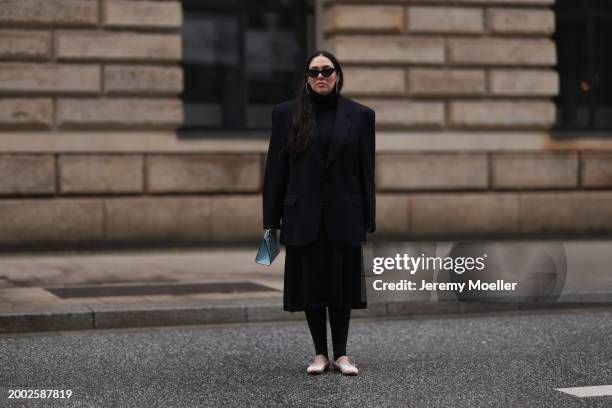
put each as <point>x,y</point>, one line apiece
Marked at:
<point>321,274</point>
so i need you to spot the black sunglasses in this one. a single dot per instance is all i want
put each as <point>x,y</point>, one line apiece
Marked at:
<point>313,73</point>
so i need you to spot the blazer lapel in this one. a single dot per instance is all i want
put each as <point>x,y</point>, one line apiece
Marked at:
<point>315,147</point>
<point>341,126</point>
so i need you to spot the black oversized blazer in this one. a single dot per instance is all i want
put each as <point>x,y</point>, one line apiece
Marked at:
<point>298,190</point>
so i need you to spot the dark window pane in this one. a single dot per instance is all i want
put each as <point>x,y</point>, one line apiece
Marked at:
<point>240,58</point>
<point>273,56</point>
<point>583,46</point>
<point>211,61</point>
<point>573,73</point>
<point>603,76</point>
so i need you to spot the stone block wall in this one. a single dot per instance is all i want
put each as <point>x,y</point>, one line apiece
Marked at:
<point>73,71</point>
<point>90,103</point>
<point>448,65</point>
<point>482,71</point>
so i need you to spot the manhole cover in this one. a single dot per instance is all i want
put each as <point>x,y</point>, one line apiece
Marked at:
<point>184,289</point>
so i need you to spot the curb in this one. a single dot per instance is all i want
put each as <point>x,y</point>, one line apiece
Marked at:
<point>132,315</point>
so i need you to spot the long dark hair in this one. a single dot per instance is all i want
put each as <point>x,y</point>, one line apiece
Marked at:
<point>303,118</point>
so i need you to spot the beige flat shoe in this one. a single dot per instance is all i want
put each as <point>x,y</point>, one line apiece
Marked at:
<point>319,366</point>
<point>344,366</point>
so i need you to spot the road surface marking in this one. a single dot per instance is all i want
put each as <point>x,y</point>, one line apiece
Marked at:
<point>594,391</point>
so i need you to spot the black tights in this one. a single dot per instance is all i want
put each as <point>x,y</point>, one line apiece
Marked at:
<point>339,317</point>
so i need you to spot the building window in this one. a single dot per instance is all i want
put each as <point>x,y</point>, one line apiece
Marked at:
<point>584,48</point>
<point>240,58</point>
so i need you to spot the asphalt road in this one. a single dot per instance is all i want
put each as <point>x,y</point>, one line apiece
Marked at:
<point>500,360</point>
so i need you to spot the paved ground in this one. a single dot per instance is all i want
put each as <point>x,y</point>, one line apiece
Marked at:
<point>502,360</point>
<point>141,288</point>
<point>25,278</point>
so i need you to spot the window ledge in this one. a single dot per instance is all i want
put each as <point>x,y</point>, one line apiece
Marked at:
<point>386,141</point>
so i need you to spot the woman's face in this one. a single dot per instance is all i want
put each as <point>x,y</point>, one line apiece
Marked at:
<point>321,84</point>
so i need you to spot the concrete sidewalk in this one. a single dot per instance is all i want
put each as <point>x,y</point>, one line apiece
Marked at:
<point>65,291</point>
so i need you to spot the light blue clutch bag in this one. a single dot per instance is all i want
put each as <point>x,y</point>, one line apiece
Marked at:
<point>268,248</point>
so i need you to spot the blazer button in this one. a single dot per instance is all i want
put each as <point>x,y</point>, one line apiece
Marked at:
<point>322,204</point>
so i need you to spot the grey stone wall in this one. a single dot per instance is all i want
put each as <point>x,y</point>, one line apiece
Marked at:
<point>90,101</point>
<point>457,67</point>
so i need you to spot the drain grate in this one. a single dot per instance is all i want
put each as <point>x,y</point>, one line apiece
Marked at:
<point>136,290</point>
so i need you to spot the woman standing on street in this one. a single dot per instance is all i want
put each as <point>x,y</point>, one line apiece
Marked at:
<point>319,179</point>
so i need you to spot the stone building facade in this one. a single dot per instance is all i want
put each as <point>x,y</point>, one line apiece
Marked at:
<point>463,92</point>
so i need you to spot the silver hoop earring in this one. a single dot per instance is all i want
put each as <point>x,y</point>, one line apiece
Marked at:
<point>306,86</point>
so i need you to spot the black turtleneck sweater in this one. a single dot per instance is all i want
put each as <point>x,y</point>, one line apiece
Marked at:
<point>325,117</point>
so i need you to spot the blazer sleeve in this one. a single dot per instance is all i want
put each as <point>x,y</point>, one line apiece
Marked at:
<point>275,176</point>
<point>367,155</point>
